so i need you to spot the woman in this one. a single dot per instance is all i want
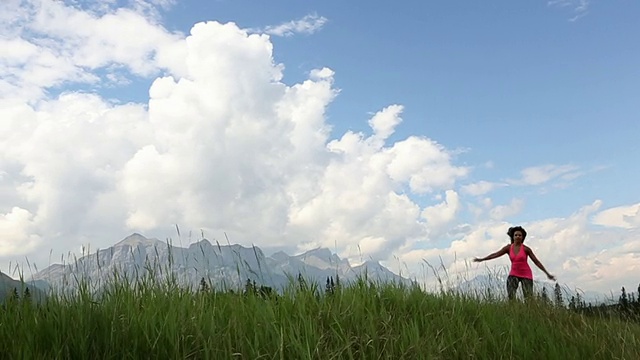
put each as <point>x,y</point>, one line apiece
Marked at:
<point>520,270</point>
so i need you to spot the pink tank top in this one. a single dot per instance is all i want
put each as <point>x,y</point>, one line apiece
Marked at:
<point>519,265</point>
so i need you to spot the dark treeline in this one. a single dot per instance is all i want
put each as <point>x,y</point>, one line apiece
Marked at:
<point>627,307</point>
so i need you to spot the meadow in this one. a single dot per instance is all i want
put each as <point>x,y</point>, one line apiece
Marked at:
<point>360,320</point>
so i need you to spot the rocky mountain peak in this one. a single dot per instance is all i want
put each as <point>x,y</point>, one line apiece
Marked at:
<point>136,239</point>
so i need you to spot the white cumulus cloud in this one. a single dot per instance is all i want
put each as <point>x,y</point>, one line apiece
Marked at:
<point>581,257</point>
<point>481,187</point>
<point>222,145</point>
<point>49,44</point>
<point>627,217</point>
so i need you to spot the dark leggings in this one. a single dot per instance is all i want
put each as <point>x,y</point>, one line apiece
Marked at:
<point>512,286</point>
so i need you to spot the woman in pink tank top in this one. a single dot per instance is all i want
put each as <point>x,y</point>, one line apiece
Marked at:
<point>520,271</point>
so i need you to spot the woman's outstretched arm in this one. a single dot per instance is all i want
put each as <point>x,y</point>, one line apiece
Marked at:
<point>538,263</point>
<point>495,255</point>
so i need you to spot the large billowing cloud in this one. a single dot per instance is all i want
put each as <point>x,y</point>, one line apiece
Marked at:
<point>224,145</point>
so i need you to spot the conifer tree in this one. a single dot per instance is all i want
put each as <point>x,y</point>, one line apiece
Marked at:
<point>204,287</point>
<point>329,287</point>
<point>558,295</point>
<point>27,295</point>
<point>579,301</point>
<point>249,288</point>
<point>623,300</point>
<point>636,304</point>
<point>301,282</point>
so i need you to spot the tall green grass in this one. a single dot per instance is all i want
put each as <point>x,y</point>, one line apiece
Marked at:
<point>151,315</point>
<point>361,320</point>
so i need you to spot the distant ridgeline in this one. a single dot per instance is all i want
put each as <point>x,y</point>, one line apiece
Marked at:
<point>137,258</point>
<point>16,289</point>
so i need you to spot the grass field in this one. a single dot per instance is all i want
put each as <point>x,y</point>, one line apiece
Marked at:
<point>361,320</point>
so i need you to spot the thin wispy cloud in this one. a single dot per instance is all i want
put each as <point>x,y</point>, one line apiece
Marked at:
<point>309,24</point>
<point>152,8</point>
<point>580,8</point>
<point>538,175</point>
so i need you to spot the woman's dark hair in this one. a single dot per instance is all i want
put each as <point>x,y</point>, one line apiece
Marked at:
<point>512,231</point>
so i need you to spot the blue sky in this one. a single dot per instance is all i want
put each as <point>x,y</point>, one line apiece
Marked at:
<point>515,84</point>
<point>536,102</point>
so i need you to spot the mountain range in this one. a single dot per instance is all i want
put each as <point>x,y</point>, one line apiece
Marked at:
<point>222,266</point>
<point>229,266</point>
